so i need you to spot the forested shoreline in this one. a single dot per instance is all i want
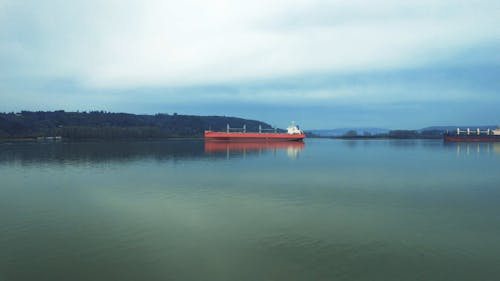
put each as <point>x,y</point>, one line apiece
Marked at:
<point>109,125</point>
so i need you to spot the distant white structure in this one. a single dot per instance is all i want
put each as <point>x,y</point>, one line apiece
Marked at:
<point>496,132</point>
<point>294,129</point>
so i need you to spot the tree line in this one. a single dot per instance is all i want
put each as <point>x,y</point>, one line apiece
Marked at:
<point>109,125</point>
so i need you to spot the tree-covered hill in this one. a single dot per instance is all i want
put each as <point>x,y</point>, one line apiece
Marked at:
<point>107,125</point>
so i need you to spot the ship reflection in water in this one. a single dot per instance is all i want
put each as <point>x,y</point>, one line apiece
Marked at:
<point>238,149</point>
<point>469,149</point>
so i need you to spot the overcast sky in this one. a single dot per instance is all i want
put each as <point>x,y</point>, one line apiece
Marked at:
<point>324,64</point>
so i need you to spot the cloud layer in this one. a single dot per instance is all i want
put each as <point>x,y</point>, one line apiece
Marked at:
<point>143,43</point>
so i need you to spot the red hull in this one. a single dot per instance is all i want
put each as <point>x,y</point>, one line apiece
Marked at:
<point>218,146</point>
<point>253,136</point>
<point>471,138</point>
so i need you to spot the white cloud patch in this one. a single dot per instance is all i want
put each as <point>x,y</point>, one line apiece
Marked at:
<point>123,44</point>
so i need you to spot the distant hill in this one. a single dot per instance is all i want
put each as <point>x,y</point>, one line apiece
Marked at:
<point>453,128</point>
<point>107,125</point>
<point>367,131</point>
<point>342,131</point>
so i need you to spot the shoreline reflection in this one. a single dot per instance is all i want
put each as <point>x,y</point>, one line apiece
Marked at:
<point>64,153</point>
<point>99,151</point>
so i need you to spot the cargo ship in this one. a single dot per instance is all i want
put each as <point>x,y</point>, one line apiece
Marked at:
<point>468,135</point>
<point>293,133</point>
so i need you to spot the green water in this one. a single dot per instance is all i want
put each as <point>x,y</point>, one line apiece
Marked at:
<point>172,210</point>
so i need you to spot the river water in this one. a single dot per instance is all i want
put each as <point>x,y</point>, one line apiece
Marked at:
<point>186,210</point>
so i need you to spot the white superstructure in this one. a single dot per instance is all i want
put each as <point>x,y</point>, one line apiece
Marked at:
<point>294,129</point>
<point>494,132</point>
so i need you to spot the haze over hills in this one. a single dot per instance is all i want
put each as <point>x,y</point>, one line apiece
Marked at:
<point>107,125</point>
<point>342,131</point>
<point>379,131</point>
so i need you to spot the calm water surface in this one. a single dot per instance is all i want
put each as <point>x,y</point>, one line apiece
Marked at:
<point>183,210</point>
